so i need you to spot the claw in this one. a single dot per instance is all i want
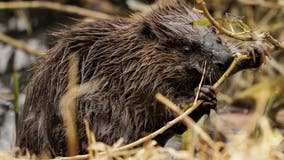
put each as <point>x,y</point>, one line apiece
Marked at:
<point>208,94</point>
<point>251,53</point>
<point>258,53</point>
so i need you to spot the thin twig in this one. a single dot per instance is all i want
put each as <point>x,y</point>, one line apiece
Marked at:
<point>274,41</point>
<point>201,82</point>
<point>54,6</point>
<point>267,17</point>
<point>262,3</point>
<point>15,43</point>
<point>219,27</point>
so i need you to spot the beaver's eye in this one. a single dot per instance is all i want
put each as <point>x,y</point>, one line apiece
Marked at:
<point>187,50</point>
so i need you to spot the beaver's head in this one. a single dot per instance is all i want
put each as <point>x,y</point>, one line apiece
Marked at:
<point>177,51</point>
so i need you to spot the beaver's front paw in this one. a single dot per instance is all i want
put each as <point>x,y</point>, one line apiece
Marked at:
<point>258,54</point>
<point>208,95</point>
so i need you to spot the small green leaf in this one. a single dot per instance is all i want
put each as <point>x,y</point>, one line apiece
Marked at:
<point>270,104</point>
<point>201,22</point>
<point>187,136</point>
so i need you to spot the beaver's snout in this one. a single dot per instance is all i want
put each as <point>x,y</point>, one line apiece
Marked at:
<point>223,61</point>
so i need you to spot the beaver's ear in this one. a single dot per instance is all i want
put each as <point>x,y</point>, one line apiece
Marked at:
<point>147,31</point>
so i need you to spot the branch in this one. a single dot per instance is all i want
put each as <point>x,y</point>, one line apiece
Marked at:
<point>15,43</point>
<point>274,41</point>
<point>252,37</point>
<point>54,6</point>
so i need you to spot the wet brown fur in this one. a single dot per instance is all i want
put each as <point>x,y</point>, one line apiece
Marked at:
<point>136,58</point>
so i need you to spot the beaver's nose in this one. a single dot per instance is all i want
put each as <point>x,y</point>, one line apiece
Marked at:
<point>229,59</point>
<point>223,61</point>
<point>220,64</point>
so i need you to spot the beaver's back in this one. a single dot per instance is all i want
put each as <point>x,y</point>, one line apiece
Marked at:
<point>37,129</point>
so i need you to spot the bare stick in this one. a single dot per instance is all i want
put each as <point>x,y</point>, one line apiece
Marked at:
<point>15,43</point>
<point>68,103</point>
<point>54,6</point>
<point>77,157</point>
<point>188,121</point>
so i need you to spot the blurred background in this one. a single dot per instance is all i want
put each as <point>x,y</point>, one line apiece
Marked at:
<point>34,26</point>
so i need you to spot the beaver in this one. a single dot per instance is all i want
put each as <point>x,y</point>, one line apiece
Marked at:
<point>135,58</point>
